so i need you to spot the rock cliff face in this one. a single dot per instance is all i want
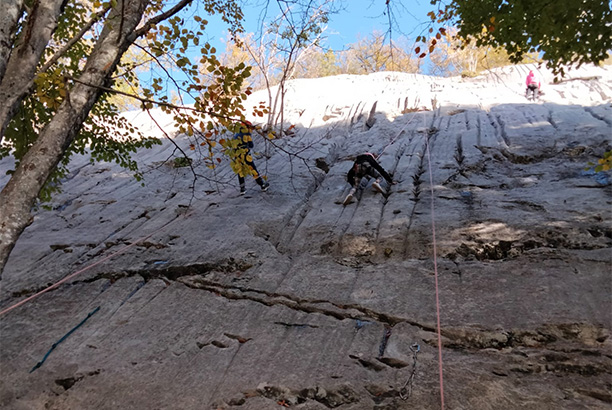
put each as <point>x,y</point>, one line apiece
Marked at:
<point>186,295</point>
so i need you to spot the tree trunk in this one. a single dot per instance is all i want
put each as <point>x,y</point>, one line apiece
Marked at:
<point>9,17</point>
<point>19,195</point>
<point>18,78</point>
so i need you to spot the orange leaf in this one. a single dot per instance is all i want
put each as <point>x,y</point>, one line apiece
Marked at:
<point>192,147</point>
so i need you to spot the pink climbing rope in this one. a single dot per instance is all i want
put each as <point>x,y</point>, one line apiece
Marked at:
<point>433,230</point>
<point>55,285</point>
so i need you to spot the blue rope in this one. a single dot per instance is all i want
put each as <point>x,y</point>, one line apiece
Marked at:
<point>63,338</point>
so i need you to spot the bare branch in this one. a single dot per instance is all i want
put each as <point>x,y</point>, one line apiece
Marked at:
<point>148,100</point>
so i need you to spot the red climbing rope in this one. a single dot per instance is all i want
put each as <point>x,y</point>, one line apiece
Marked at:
<point>120,251</point>
<point>433,231</point>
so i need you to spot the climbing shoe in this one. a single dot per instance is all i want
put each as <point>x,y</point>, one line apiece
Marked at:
<point>265,186</point>
<point>348,199</point>
<point>377,187</point>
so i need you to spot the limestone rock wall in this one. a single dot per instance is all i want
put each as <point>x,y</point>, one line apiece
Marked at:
<point>289,299</point>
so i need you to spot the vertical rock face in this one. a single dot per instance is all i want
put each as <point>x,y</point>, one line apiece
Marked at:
<point>287,298</point>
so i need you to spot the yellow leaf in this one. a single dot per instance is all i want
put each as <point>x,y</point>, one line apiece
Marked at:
<point>492,20</point>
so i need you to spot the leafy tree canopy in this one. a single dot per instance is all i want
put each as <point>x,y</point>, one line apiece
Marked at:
<point>563,32</point>
<point>62,66</point>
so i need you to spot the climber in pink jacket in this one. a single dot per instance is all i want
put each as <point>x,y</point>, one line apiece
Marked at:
<point>533,84</point>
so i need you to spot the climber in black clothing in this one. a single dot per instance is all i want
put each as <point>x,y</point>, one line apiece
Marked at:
<point>366,166</point>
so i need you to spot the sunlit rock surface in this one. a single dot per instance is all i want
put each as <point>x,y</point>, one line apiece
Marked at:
<point>210,300</point>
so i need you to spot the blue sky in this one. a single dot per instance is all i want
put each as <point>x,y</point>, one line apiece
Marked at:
<point>360,18</point>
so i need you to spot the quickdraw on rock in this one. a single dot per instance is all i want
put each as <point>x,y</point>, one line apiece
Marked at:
<point>406,390</point>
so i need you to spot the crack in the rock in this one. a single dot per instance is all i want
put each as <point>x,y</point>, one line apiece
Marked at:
<point>457,338</point>
<point>416,191</point>
<point>552,121</point>
<point>607,120</point>
<point>385,339</point>
<point>459,157</point>
<point>335,310</point>
<point>398,155</point>
<point>296,216</point>
<point>297,325</point>
<point>502,130</point>
<point>468,126</point>
<point>496,128</point>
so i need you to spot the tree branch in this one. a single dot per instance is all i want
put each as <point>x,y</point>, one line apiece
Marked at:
<point>95,18</point>
<point>161,17</point>
<point>147,100</point>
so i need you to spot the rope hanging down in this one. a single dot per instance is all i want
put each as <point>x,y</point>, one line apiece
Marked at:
<point>125,248</point>
<point>433,232</point>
